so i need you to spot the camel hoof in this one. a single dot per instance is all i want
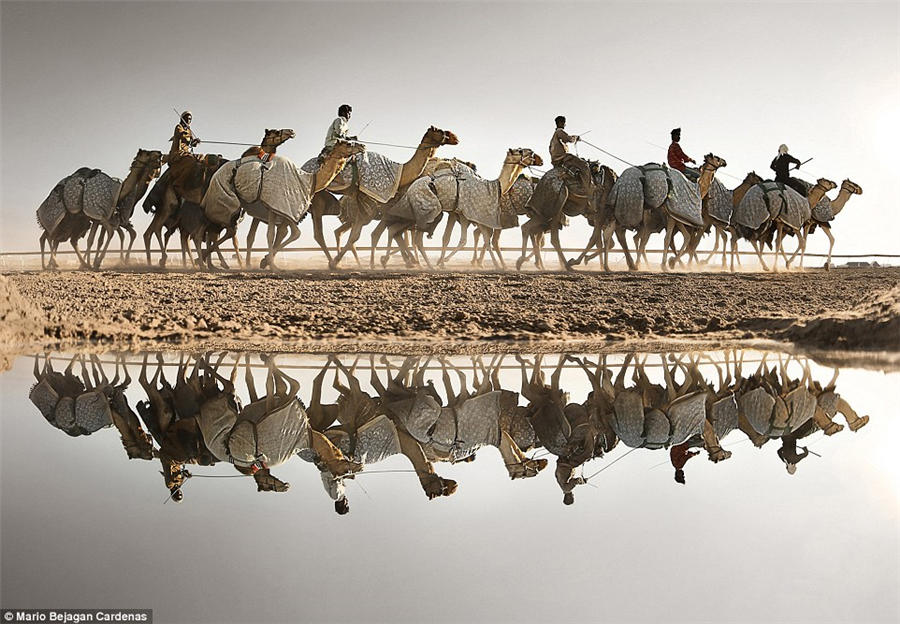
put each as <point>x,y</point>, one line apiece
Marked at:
<point>827,266</point>
<point>671,263</point>
<point>572,262</point>
<point>162,263</point>
<point>384,261</point>
<point>519,264</point>
<point>264,262</point>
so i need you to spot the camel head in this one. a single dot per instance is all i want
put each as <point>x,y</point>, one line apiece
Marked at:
<point>435,137</point>
<point>714,161</point>
<point>825,184</point>
<point>752,178</point>
<point>345,149</point>
<point>273,138</point>
<point>523,156</point>
<point>853,188</point>
<point>150,161</point>
<point>144,168</point>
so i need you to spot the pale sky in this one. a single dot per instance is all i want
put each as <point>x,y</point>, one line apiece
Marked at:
<point>87,84</point>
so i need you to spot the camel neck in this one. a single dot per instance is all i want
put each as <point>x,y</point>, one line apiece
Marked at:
<point>815,195</point>
<point>738,193</point>
<point>414,167</point>
<point>838,204</point>
<point>509,173</point>
<point>706,177</point>
<point>327,172</point>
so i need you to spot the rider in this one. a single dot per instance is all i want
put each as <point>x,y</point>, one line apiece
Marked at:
<point>560,156</point>
<point>781,166</point>
<point>677,158</point>
<point>338,129</point>
<point>182,161</point>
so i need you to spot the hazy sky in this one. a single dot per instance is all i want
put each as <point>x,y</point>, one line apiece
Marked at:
<point>87,84</point>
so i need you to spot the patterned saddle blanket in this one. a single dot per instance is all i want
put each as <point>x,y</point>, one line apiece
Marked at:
<point>375,175</point>
<point>258,186</point>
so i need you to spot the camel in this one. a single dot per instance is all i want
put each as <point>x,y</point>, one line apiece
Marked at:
<point>88,200</point>
<point>558,194</point>
<point>654,198</point>
<point>770,209</point>
<point>356,208</point>
<point>165,203</point>
<point>824,212</point>
<point>718,206</point>
<point>457,190</point>
<point>512,203</point>
<point>283,193</point>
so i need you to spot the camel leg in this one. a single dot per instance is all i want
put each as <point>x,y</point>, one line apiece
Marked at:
<point>270,239</point>
<point>95,225</point>
<point>108,231</point>
<point>254,224</point>
<point>779,238</point>
<point>623,241</point>
<point>43,241</point>
<point>186,254</point>
<point>554,240</point>
<point>419,242</point>
<point>376,236</point>
<point>293,234</point>
<point>445,239</point>
<point>757,247</point>
<point>715,248</point>
<point>668,241</point>
<point>319,234</point>
<point>355,232</point>
<point>495,243</point>
<point>596,235</point>
<point>132,236</point>
<point>154,228</point>
<point>830,236</point>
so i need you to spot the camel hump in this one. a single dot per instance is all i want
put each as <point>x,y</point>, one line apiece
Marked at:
<point>757,406</point>
<point>45,397</point>
<point>627,197</point>
<point>100,195</point>
<point>824,211</point>
<point>684,199</point>
<point>92,412</point>
<point>377,440</point>
<point>724,416</point>
<point>52,210</point>
<point>720,202</point>
<point>686,414</point>
<point>753,210</point>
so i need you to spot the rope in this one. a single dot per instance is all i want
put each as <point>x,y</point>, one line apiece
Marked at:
<point>607,153</point>
<point>229,143</point>
<point>396,145</point>
<point>611,463</point>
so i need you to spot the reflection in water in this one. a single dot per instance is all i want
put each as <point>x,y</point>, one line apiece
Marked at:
<point>434,410</point>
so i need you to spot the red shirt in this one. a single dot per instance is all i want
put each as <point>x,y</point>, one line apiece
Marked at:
<point>677,158</point>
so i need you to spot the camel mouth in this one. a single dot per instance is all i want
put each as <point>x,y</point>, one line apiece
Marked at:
<point>538,161</point>
<point>450,138</point>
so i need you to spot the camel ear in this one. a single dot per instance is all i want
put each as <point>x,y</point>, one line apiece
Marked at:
<point>267,131</point>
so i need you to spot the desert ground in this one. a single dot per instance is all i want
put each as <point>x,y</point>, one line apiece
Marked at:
<point>448,312</point>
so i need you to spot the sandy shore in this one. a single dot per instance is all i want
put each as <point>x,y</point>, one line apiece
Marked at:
<point>454,312</point>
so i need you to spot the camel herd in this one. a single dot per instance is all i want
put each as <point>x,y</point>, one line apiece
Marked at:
<point>433,410</point>
<point>407,201</point>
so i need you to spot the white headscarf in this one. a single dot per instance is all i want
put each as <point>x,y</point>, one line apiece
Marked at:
<point>783,149</point>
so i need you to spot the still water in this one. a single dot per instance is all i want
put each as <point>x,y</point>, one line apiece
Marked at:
<point>726,486</point>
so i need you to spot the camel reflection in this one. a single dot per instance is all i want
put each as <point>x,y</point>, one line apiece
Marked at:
<point>437,410</point>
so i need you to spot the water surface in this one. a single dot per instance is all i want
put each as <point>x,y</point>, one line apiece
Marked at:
<point>742,539</point>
